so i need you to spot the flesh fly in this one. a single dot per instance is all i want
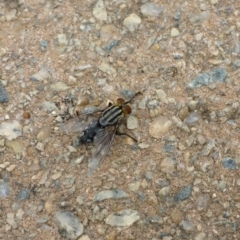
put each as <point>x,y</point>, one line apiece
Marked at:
<point>99,130</point>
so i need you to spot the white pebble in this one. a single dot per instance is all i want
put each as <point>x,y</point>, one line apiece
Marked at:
<point>132,122</point>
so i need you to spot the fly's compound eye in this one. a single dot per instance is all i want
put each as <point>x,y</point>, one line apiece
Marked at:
<point>127,109</point>
<point>120,101</point>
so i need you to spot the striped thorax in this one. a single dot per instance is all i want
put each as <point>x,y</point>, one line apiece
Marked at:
<point>116,112</point>
<point>111,116</point>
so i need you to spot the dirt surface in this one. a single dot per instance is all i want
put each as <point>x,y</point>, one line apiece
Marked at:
<point>181,179</point>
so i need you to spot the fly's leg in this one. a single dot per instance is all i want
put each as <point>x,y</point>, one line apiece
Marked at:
<point>125,134</point>
<point>129,101</point>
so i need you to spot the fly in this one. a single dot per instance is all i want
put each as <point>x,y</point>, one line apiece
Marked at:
<point>100,131</point>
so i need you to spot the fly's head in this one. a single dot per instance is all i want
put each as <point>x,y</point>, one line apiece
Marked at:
<point>125,107</point>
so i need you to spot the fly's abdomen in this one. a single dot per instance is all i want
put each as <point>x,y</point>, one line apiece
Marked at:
<point>89,133</point>
<point>111,116</point>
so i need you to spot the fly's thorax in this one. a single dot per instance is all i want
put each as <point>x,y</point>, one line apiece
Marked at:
<point>111,116</point>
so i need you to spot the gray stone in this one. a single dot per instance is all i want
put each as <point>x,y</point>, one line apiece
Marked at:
<point>154,220</point>
<point>127,94</point>
<point>59,87</point>
<point>69,225</point>
<point>62,40</point>
<point>107,194</point>
<point>222,186</point>
<point>132,22</point>
<point>4,188</point>
<point>11,221</point>
<point>208,148</point>
<point>41,75</point>
<point>186,226</point>
<point>99,11</point>
<point>132,122</point>
<point>183,194</point>
<point>175,32</point>
<point>89,110</point>
<point>112,44</point>
<point>23,194</point>
<point>4,97</point>
<point>149,175</point>
<point>207,78</point>
<point>200,236</point>
<point>229,163</point>
<point>11,130</point>
<point>107,69</point>
<point>151,10</point>
<point>192,119</point>
<point>198,19</point>
<point>236,63</point>
<point>123,218</point>
<point>49,106</point>
<point>11,15</point>
<point>203,202</point>
<point>43,45</point>
<point>177,16</point>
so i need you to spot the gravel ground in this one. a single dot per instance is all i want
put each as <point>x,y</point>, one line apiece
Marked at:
<point>181,179</point>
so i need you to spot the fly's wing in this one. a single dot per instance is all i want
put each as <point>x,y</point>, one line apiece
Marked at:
<point>102,143</point>
<point>79,123</point>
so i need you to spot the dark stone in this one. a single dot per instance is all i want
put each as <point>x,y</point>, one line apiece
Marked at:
<point>43,45</point>
<point>127,94</point>
<point>112,44</point>
<point>207,78</point>
<point>4,97</point>
<point>23,194</point>
<point>229,163</point>
<point>183,194</point>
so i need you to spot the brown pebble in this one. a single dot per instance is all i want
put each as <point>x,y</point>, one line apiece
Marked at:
<point>176,216</point>
<point>49,207</point>
<point>183,113</point>
<point>82,102</point>
<point>30,151</point>
<point>111,236</point>
<point>152,200</point>
<point>17,172</point>
<point>26,115</point>
<point>44,133</point>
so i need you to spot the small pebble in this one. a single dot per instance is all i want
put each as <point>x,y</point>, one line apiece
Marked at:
<point>229,163</point>
<point>11,167</point>
<point>40,146</point>
<point>107,69</point>
<point>68,224</point>
<point>107,194</point>
<point>26,115</point>
<point>151,9</point>
<point>168,165</point>
<point>175,32</point>
<point>176,216</point>
<point>44,133</point>
<point>200,236</point>
<point>132,22</point>
<point>48,207</point>
<point>99,11</point>
<point>24,194</point>
<point>203,202</point>
<point>183,194</point>
<point>123,218</point>
<point>4,97</point>
<point>56,176</point>
<point>186,226</point>
<point>162,96</point>
<point>132,122</point>
<point>159,127</point>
